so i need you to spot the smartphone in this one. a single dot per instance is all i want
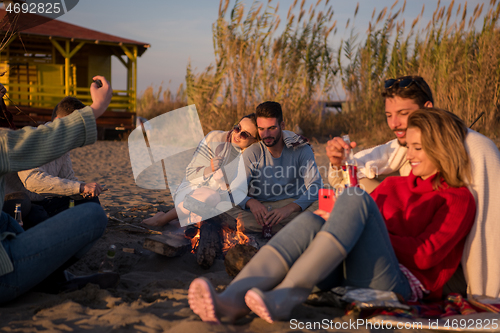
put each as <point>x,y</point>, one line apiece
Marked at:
<point>326,199</point>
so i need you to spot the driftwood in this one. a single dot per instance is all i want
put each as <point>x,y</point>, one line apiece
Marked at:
<point>169,244</point>
<point>210,241</point>
<point>210,244</point>
<point>237,257</point>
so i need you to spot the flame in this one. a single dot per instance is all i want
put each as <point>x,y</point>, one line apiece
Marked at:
<point>194,242</point>
<point>194,238</point>
<point>230,237</point>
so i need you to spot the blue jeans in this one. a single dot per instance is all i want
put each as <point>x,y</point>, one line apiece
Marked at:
<point>357,224</point>
<point>41,250</point>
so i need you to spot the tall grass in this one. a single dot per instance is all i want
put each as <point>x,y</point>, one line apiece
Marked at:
<point>153,103</point>
<point>460,63</point>
<point>299,67</point>
<point>254,64</point>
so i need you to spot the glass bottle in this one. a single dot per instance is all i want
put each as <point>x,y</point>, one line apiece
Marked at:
<point>349,165</point>
<point>267,230</point>
<point>107,264</point>
<point>71,203</point>
<point>17,214</point>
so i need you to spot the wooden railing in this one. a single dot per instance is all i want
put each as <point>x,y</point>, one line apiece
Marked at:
<point>43,96</point>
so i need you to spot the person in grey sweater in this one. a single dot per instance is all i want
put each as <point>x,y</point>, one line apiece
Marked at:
<point>282,175</point>
<point>42,253</point>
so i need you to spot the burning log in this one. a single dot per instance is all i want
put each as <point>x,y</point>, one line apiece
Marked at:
<point>237,257</point>
<point>211,239</point>
<point>210,244</point>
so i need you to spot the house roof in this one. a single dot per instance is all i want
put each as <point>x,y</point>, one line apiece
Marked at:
<point>32,24</point>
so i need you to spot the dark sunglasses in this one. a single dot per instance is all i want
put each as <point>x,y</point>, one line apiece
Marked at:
<point>244,134</point>
<point>405,83</point>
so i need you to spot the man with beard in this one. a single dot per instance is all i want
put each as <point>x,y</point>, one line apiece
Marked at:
<point>403,95</point>
<point>282,175</point>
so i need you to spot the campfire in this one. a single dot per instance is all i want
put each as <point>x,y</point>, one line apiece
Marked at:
<point>229,238</point>
<point>215,238</point>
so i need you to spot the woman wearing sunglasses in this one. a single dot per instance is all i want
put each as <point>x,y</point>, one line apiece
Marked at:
<point>407,237</point>
<point>218,148</point>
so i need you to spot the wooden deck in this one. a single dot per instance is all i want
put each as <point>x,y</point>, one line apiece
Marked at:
<point>110,124</point>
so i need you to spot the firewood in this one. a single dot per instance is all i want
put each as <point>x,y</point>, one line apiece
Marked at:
<point>168,244</point>
<point>237,257</point>
<point>210,244</point>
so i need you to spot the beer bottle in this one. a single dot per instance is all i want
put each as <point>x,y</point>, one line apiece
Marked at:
<point>17,214</point>
<point>349,165</point>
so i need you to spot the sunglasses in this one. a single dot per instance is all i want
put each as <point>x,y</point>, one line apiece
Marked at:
<point>243,134</point>
<point>405,83</point>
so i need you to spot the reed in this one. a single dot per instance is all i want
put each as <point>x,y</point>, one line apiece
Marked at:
<point>300,68</point>
<point>153,103</point>
<point>253,64</point>
<point>460,62</point>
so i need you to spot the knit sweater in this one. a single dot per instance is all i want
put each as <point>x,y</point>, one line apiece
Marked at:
<point>294,174</point>
<point>54,178</point>
<point>427,227</point>
<point>30,147</point>
<point>481,257</point>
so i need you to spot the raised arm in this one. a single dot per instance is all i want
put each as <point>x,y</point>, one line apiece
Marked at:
<point>30,147</point>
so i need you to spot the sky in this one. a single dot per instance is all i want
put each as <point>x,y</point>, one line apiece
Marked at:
<point>181,31</point>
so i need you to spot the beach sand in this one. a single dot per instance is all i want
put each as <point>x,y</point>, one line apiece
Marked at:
<point>152,293</point>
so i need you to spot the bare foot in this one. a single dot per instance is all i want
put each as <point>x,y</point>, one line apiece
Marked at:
<point>156,221</point>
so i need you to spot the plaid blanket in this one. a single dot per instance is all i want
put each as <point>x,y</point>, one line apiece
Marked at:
<point>454,304</point>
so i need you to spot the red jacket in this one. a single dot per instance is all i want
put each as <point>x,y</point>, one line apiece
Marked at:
<point>427,228</point>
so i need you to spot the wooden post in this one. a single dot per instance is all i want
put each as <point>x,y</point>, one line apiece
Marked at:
<point>66,69</point>
<point>67,54</point>
<point>134,83</point>
<point>131,75</point>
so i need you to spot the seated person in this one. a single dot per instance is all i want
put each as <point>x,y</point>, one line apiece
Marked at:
<point>53,184</point>
<point>215,150</point>
<point>42,253</point>
<point>403,96</point>
<point>283,179</point>
<point>407,237</point>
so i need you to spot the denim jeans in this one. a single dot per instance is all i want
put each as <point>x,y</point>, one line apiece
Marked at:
<point>357,224</point>
<point>41,250</point>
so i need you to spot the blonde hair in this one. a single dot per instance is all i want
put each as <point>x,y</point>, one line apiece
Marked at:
<point>443,136</point>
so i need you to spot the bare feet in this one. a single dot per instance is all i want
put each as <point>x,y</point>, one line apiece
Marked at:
<point>158,220</point>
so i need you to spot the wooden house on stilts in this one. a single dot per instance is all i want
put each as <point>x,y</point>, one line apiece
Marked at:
<point>54,59</point>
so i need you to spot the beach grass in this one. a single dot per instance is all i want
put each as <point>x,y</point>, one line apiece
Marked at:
<point>457,53</point>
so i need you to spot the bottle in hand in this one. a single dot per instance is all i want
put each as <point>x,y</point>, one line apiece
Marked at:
<point>267,230</point>
<point>108,264</point>
<point>349,166</point>
<point>17,215</point>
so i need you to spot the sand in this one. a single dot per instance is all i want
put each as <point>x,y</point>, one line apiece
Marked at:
<point>152,293</point>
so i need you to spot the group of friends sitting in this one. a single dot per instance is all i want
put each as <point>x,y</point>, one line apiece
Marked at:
<point>425,231</point>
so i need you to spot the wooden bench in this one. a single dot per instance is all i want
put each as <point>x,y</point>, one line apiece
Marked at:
<point>110,125</point>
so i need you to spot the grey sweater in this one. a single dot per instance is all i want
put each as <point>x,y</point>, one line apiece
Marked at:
<point>292,175</point>
<point>31,147</point>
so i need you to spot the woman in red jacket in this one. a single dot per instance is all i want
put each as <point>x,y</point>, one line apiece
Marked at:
<point>407,237</point>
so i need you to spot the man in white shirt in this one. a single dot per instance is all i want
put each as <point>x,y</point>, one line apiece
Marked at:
<point>403,95</point>
<point>54,184</point>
